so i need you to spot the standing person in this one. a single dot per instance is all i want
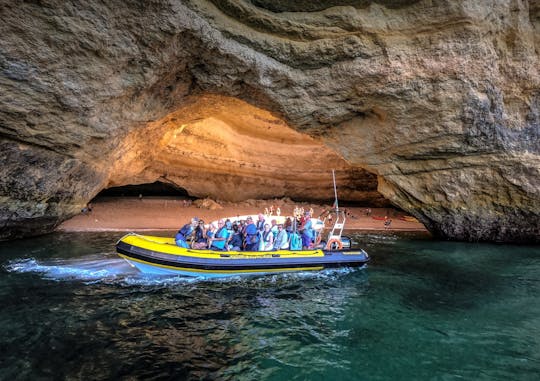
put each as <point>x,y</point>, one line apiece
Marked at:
<point>288,225</point>
<point>251,235</point>
<point>260,223</point>
<point>219,239</point>
<point>307,231</point>
<point>267,239</point>
<point>282,239</point>
<point>274,228</point>
<point>185,232</point>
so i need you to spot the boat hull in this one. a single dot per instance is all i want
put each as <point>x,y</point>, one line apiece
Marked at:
<point>160,256</point>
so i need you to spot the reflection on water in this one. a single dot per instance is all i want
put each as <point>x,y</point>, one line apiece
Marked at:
<point>421,310</point>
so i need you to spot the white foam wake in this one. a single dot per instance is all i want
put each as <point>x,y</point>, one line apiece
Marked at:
<point>101,269</point>
<point>85,268</point>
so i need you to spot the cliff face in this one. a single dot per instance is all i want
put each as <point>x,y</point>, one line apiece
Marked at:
<point>436,104</point>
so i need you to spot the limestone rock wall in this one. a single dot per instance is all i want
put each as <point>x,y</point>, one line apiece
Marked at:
<point>436,102</point>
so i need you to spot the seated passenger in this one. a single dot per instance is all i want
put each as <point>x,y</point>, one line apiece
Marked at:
<point>267,239</point>
<point>282,239</point>
<point>235,240</point>
<point>210,233</point>
<point>219,239</point>
<point>185,232</point>
<point>199,237</point>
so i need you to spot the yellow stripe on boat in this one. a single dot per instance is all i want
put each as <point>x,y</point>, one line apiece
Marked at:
<point>197,270</point>
<point>167,245</point>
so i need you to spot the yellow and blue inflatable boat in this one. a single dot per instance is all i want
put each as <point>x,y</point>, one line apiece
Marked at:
<point>160,255</point>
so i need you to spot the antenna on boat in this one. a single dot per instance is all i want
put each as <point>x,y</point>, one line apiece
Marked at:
<point>335,190</point>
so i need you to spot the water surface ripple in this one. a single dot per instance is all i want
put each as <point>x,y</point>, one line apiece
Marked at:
<point>422,310</point>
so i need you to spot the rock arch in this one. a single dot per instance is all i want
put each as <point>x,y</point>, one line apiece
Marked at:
<point>441,102</point>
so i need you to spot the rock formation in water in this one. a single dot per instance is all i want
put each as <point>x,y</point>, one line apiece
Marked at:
<point>435,104</point>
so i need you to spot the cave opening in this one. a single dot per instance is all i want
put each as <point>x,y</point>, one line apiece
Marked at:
<point>155,189</point>
<point>226,149</point>
<point>219,156</point>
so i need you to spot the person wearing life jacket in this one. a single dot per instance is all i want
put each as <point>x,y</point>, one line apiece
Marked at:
<point>282,239</point>
<point>307,231</point>
<point>274,228</point>
<point>210,232</point>
<point>267,239</point>
<point>251,235</point>
<point>185,232</point>
<point>220,237</point>
<point>235,240</point>
<point>199,237</point>
<point>260,222</point>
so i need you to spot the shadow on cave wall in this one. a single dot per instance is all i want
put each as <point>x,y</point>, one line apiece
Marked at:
<point>160,189</point>
<point>155,189</point>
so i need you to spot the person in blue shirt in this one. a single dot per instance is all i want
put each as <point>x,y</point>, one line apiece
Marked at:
<point>220,237</point>
<point>307,231</point>
<point>185,232</point>
<point>252,235</point>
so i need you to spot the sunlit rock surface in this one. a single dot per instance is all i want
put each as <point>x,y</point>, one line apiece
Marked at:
<point>436,103</point>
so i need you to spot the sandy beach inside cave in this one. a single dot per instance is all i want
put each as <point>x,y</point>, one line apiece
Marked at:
<point>170,213</point>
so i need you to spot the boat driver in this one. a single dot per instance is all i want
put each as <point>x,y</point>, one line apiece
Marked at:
<point>184,233</point>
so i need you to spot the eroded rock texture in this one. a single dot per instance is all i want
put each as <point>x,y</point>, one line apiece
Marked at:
<point>436,103</point>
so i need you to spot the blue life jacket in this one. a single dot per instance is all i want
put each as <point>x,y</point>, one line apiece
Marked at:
<point>221,233</point>
<point>184,232</point>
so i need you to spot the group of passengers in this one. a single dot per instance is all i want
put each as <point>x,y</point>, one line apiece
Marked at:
<point>248,235</point>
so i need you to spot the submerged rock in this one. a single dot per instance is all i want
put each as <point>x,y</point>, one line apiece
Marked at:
<point>434,107</point>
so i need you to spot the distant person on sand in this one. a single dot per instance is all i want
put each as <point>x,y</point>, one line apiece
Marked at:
<point>185,232</point>
<point>87,209</point>
<point>387,222</point>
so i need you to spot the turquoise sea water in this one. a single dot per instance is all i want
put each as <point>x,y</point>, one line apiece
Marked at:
<point>422,310</point>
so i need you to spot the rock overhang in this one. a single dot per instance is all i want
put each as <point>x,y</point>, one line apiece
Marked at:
<point>441,102</point>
